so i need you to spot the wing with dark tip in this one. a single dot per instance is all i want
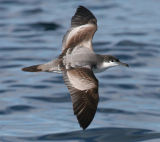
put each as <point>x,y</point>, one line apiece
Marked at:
<point>82,17</point>
<point>83,87</point>
<point>83,27</point>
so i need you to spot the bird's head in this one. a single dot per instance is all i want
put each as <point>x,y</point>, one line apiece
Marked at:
<point>111,61</point>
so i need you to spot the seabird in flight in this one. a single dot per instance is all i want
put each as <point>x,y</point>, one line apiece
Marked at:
<point>78,62</point>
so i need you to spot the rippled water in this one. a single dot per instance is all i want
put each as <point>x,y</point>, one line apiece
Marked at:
<point>37,106</point>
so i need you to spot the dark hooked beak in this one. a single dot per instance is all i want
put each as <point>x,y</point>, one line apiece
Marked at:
<point>123,64</point>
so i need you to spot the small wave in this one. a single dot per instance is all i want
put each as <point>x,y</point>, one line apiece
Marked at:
<point>138,64</point>
<point>100,135</point>
<point>16,108</point>
<point>10,66</point>
<point>8,81</point>
<point>11,2</point>
<point>111,110</point>
<point>102,43</point>
<point>130,43</point>
<point>110,76</point>
<point>57,79</point>
<point>28,59</point>
<point>32,11</point>
<point>108,6</point>
<point>29,86</point>
<point>6,90</point>
<point>44,26</point>
<point>51,99</point>
<point>125,57</point>
<point>7,49</point>
<point>145,54</point>
<point>136,44</point>
<point>124,86</point>
<point>130,34</point>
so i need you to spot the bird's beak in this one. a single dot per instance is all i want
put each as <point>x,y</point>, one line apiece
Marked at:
<point>123,64</point>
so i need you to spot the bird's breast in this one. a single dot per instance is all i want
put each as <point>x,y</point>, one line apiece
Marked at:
<point>98,70</point>
<point>78,60</point>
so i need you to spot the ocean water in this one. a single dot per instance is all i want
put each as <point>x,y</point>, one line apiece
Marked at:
<point>37,106</point>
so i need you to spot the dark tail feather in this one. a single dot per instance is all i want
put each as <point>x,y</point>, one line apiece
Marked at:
<point>52,66</point>
<point>35,68</point>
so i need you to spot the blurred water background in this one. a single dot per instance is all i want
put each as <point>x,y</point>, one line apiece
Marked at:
<point>37,106</point>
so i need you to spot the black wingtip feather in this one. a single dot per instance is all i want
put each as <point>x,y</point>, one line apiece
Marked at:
<point>84,103</point>
<point>83,16</point>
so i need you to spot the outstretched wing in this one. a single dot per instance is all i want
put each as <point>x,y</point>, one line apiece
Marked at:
<point>83,27</point>
<point>83,87</point>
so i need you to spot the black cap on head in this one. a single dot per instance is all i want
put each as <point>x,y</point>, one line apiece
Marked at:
<point>110,58</point>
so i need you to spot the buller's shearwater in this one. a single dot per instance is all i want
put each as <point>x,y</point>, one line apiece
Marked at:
<point>78,63</point>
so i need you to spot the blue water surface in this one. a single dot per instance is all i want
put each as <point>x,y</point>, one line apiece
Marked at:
<point>37,106</point>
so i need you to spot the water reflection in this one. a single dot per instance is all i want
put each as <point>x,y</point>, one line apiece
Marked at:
<point>37,107</point>
<point>101,135</point>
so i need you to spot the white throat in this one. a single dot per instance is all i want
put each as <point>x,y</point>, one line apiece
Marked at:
<point>105,65</point>
<point>109,64</point>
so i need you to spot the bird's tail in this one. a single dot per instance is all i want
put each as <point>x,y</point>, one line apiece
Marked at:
<point>52,66</point>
